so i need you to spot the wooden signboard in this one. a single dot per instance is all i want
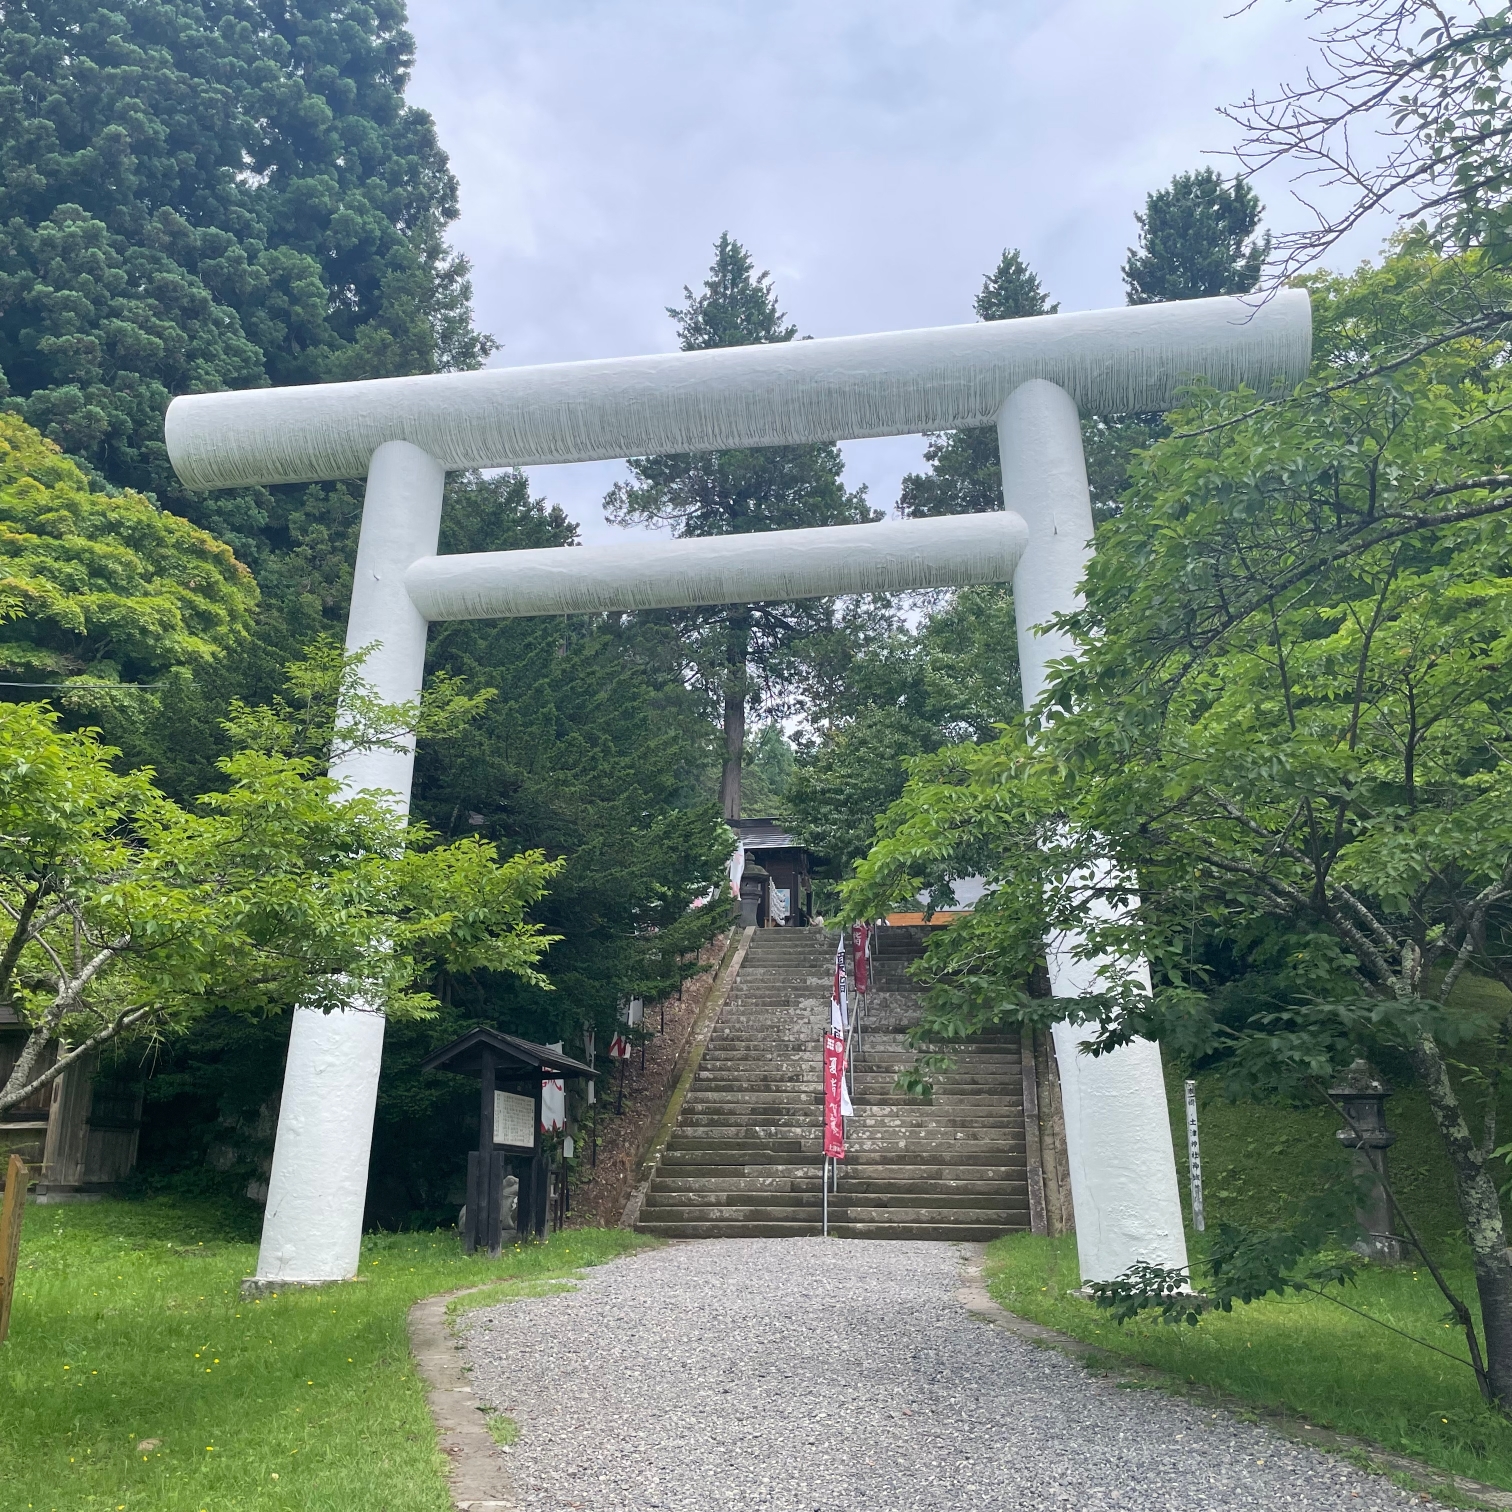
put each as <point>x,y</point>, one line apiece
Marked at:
<point>10,1237</point>
<point>514,1121</point>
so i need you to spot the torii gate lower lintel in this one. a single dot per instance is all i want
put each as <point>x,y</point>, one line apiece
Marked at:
<point>1028,376</point>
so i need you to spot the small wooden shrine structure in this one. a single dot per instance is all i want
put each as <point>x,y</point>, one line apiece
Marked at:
<point>510,1071</point>
<point>776,885</point>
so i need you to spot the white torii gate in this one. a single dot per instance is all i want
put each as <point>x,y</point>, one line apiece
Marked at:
<point>1029,377</point>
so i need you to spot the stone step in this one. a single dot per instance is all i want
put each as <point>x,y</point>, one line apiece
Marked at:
<point>722,1229</point>
<point>727,1229</point>
<point>901,1207</point>
<point>1013,1192</point>
<point>940,1154</point>
<point>858,1136</point>
<point>847,1211</point>
<point>777,1168</point>
<point>768,1084</point>
<point>792,1100</point>
<point>861,1182</point>
<point>712,1165</point>
<point>763,1079</point>
<point>755,1131</point>
<point>755,1142</point>
<point>839,1214</point>
<point>943,1158</point>
<point>736,1184</point>
<point>959,1233</point>
<point>1005,1062</point>
<point>866,1118</point>
<point>663,1204</point>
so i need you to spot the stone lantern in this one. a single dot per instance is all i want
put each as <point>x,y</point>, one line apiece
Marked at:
<point>1361,1096</point>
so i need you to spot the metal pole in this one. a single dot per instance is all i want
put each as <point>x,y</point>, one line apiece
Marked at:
<point>824,1187</point>
<point>1194,1159</point>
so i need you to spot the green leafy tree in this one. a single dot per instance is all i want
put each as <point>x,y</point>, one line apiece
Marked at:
<point>743,654</point>
<point>964,475</point>
<point>1288,727</point>
<point>224,195</point>
<point>104,586</point>
<point>129,914</point>
<point>1197,239</point>
<point>953,678</point>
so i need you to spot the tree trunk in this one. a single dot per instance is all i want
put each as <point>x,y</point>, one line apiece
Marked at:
<point>1480,1206</point>
<point>737,650</point>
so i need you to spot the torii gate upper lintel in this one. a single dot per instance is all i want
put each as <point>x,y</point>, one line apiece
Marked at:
<point>1032,378</point>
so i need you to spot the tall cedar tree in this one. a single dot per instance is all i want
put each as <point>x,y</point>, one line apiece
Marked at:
<point>196,196</point>
<point>1196,240</point>
<point>219,195</point>
<point>740,651</point>
<point>964,476</point>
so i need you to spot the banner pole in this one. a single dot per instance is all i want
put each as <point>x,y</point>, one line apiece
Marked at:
<point>824,1186</point>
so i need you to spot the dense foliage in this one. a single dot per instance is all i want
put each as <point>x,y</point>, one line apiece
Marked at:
<point>102,586</point>
<point>199,196</point>
<point>853,756</point>
<point>590,750</point>
<point>1288,728</point>
<point>130,914</point>
<point>1197,238</point>
<point>214,196</point>
<point>953,678</point>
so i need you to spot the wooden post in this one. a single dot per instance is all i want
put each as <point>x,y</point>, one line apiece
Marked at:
<point>68,1128</point>
<point>538,1178</point>
<point>487,1226</point>
<point>10,1237</point>
<point>475,1178</point>
<point>1038,1222</point>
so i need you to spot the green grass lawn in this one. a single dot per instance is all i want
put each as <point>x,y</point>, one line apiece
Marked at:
<point>129,1327</point>
<point>1303,1354</point>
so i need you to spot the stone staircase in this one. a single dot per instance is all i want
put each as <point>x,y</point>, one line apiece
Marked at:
<point>745,1158</point>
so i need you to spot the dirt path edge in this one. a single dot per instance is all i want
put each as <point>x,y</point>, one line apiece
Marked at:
<point>477,1478</point>
<point>974,1296</point>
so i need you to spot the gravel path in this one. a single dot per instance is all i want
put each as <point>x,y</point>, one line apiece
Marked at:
<point>799,1374</point>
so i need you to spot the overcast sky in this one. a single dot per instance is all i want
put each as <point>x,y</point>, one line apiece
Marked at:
<point>875,155</point>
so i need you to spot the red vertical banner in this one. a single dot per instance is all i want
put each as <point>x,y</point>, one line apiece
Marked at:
<point>860,939</point>
<point>834,1088</point>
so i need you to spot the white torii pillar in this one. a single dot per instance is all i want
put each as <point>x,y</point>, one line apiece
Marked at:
<point>404,434</point>
<point>1118,1132</point>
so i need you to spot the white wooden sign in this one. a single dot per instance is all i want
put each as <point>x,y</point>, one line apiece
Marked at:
<point>514,1120</point>
<point>1194,1159</point>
